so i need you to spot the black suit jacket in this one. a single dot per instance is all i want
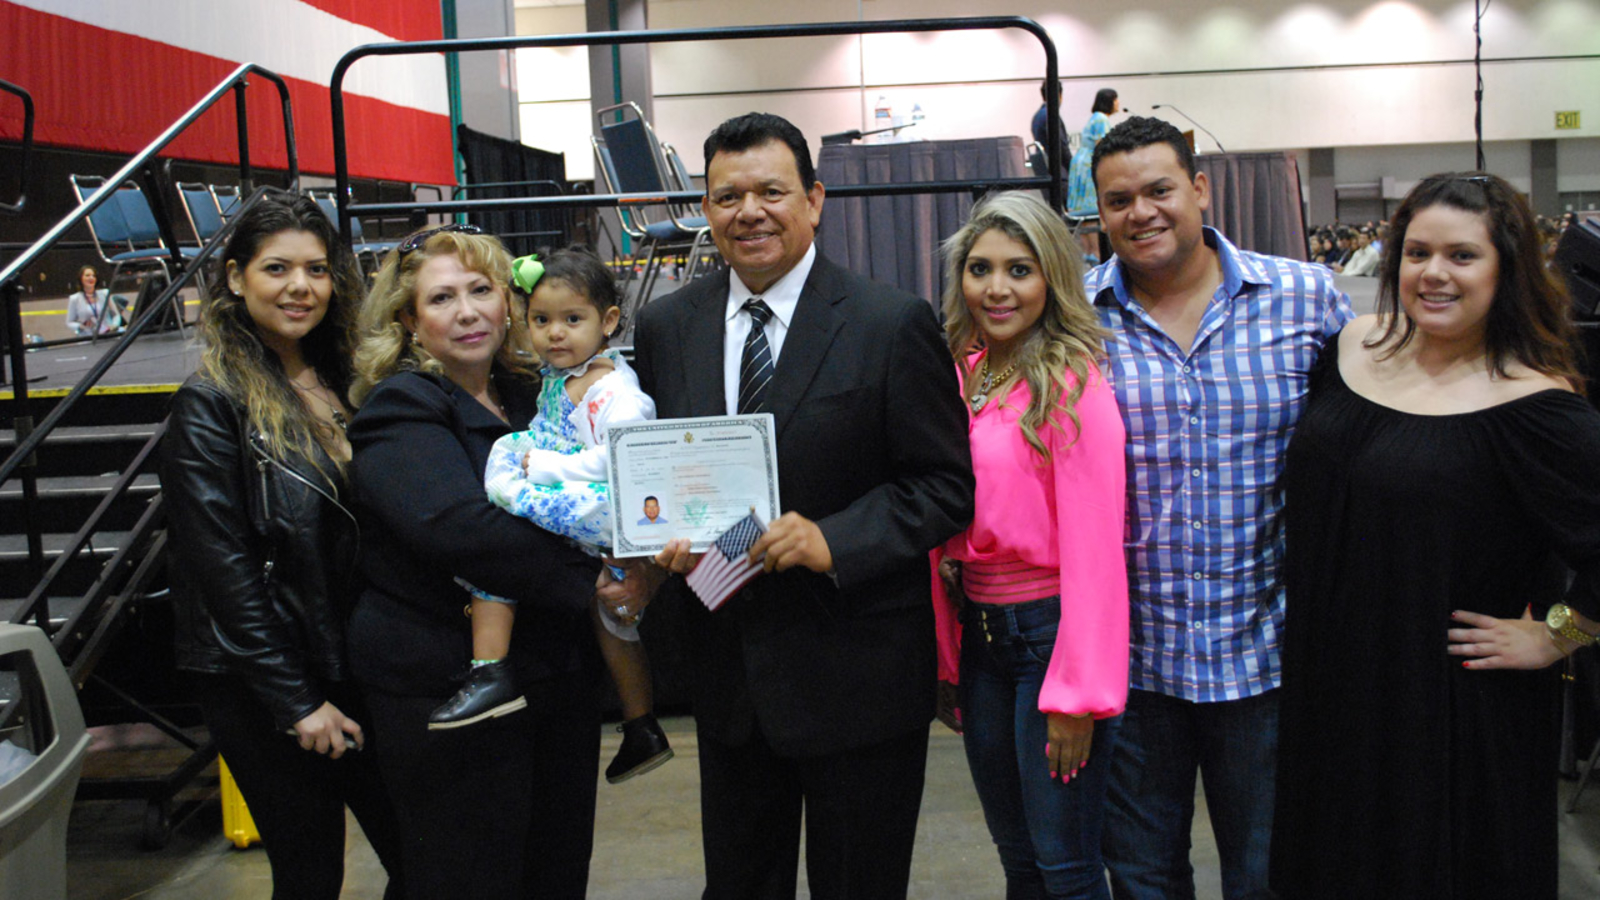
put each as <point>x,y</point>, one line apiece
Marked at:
<point>421,444</point>
<point>872,446</point>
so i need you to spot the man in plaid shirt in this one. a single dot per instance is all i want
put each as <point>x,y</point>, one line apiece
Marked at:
<point>1211,349</point>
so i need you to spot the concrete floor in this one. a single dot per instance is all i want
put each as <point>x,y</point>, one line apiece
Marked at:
<point>647,842</point>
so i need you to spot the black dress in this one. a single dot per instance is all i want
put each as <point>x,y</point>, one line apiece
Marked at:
<point>1401,774</point>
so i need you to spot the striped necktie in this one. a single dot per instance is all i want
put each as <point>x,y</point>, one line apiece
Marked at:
<point>755,364</point>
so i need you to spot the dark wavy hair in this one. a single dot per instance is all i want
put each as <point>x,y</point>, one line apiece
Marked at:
<point>235,358</point>
<point>582,270</point>
<point>1528,320</point>
<point>751,130</point>
<point>1142,131</point>
<point>1104,100</point>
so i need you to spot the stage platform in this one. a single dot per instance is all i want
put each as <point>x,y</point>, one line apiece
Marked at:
<point>155,361</point>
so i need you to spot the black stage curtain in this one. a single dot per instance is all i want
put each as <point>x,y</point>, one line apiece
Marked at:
<point>530,172</point>
<point>1255,201</point>
<point>896,239</point>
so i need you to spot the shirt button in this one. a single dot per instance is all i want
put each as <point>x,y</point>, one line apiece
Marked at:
<point>1197,473</point>
<point>1195,576</point>
<point>1187,369</point>
<point>1194,420</point>
<point>1195,523</point>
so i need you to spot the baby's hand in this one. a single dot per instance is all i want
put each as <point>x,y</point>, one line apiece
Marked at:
<point>526,458</point>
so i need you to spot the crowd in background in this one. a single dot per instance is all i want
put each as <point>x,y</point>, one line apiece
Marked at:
<point>1357,249</point>
<point>1551,230</point>
<point>1349,249</point>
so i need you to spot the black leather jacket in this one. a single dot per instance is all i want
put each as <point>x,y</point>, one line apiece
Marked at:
<point>261,555</point>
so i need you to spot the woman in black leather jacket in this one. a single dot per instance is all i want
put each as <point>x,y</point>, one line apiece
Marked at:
<point>263,543</point>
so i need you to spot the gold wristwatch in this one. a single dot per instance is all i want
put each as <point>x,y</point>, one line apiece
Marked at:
<point>1559,621</point>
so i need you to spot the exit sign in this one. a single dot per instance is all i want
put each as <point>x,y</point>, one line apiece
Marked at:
<point>1567,119</point>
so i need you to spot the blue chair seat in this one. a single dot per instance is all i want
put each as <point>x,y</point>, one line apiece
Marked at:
<point>154,253</point>
<point>667,231</point>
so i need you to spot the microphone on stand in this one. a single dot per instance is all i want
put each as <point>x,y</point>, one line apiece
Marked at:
<point>853,135</point>
<point>1192,122</point>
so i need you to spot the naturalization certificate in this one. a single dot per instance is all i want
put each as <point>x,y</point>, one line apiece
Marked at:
<point>689,478</point>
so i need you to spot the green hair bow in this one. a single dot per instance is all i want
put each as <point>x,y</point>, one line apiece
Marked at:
<point>526,272</point>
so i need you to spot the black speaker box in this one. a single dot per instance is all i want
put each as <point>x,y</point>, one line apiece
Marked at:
<point>1578,262</point>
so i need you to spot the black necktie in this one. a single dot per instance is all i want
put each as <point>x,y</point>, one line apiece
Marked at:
<point>755,364</point>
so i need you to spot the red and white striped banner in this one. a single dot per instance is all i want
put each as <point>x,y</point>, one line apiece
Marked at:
<point>111,75</point>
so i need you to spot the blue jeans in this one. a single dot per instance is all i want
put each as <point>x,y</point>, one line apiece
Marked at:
<point>1164,740</point>
<point>1047,831</point>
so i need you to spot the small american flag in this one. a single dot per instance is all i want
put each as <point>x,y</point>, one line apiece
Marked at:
<point>726,566</point>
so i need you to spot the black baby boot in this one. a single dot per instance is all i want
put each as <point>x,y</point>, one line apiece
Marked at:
<point>644,747</point>
<point>490,691</point>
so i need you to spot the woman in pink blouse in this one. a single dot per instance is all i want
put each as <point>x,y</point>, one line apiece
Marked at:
<point>1032,602</point>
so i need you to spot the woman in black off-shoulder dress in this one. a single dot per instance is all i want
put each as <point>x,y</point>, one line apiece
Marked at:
<point>1441,481</point>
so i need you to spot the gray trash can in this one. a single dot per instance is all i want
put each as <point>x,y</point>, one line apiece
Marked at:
<point>42,746</point>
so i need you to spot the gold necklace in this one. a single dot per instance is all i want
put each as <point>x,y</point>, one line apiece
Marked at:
<point>986,384</point>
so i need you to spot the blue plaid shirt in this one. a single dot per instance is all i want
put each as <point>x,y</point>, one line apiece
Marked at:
<point>1207,430</point>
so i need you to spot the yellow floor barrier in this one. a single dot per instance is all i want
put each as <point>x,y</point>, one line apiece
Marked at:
<point>237,826</point>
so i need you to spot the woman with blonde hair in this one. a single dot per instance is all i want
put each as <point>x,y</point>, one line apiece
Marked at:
<point>1032,602</point>
<point>263,543</point>
<point>444,369</point>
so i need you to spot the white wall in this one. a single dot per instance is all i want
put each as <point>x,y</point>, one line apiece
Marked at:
<point>1578,165</point>
<point>553,89</point>
<point>488,94</point>
<point>979,83</point>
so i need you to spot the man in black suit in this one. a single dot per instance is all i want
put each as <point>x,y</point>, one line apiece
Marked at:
<point>813,688</point>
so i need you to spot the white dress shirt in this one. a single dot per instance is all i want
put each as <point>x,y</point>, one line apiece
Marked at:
<point>782,298</point>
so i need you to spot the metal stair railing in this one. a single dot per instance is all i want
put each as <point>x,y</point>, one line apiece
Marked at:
<point>30,436</point>
<point>27,146</point>
<point>1049,184</point>
<point>68,639</point>
<point>142,162</point>
<point>84,636</point>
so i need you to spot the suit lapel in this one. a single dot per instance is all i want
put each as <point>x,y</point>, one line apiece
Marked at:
<point>702,351</point>
<point>811,332</point>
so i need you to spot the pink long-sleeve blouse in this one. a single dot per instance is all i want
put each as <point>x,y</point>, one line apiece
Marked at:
<point>1067,513</point>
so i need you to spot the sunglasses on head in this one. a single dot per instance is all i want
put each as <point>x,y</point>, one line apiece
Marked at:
<point>421,237</point>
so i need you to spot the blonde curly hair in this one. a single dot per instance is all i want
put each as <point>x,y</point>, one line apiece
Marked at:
<point>386,346</point>
<point>1068,334</point>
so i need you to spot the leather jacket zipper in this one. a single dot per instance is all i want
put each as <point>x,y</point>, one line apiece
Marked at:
<point>263,459</point>
<point>266,509</point>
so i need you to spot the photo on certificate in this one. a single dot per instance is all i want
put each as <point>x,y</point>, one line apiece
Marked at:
<point>689,478</point>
